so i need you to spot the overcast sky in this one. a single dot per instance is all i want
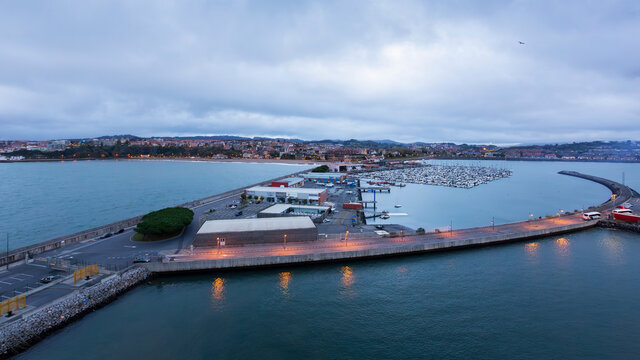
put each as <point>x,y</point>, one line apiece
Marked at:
<point>402,70</point>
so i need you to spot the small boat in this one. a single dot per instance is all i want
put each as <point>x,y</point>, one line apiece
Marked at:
<point>398,206</point>
<point>384,216</point>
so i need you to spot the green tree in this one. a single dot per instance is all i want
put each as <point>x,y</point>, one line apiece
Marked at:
<point>165,222</point>
<point>321,169</point>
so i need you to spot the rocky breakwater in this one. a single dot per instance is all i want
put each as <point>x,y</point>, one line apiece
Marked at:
<point>31,328</point>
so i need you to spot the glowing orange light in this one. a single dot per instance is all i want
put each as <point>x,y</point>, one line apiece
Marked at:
<point>285,279</point>
<point>217,290</point>
<point>563,245</point>
<point>347,276</point>
<point>531,248</point>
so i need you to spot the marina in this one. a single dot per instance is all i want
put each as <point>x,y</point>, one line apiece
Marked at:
<point>457,176</point>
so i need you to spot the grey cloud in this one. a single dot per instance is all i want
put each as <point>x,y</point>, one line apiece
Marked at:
<point>407,70</point>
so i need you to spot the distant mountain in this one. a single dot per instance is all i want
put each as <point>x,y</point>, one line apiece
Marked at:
<point>213,137</point>
<point>118,137</point>
<point>388,142</point>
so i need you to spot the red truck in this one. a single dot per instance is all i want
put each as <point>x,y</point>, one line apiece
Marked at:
<point>632,218</point>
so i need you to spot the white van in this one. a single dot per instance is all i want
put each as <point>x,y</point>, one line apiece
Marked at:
<point>622,211</point>
<point>591,215</point>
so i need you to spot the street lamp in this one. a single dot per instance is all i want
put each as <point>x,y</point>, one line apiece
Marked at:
<point>346,238</point>
<point>218,245</point>
<point>285,241</point>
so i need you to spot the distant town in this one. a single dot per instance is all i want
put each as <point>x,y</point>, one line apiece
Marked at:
<point>347,151</point>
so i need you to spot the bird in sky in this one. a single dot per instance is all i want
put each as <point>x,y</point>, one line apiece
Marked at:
<point>521,43</point>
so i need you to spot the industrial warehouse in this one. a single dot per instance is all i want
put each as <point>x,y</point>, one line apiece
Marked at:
<point>256,231</point>
<point>288,182</point>
<point>316,213</point>
<point>325,178</point>
<point>287,194</point>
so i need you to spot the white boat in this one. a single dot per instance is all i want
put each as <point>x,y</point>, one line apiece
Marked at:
<point>398,206</point>
<point>384,216</point>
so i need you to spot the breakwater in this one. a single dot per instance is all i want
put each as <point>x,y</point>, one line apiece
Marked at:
<point>32,327</point>
<point>612,224</point>
<point>621,192</point>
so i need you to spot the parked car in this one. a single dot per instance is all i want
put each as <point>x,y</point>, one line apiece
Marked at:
<point>104,236</point>
<point>120,231</point>
<point>47,279</point>
<point>594,215</point>
<point>238,213</point>
<point>380,227</point>
<point>141,259</point>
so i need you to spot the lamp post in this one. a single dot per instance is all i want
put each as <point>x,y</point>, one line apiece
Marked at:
<point>285,241</point>
<point>346,238</point>
<point>218,245</point>
<point>7,260</point>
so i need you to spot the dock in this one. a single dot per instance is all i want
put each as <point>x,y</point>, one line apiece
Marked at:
<point>375,189</point>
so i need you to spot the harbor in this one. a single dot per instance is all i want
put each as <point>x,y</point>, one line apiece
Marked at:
<point>341,238</point>
<point>457,176</point>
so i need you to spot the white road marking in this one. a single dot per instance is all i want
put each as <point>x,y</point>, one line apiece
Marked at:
<point>44,266</point>
<point>14,278</point>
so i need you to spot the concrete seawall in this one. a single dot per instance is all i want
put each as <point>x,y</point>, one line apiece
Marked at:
<point>377,251</point>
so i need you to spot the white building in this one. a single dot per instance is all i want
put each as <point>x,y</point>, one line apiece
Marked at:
<point>287,194</point>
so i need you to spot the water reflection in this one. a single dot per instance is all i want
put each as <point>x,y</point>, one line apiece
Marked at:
<point>562,246</point>
<point>217,289</point>
<point>347,276</point>
<point>532,248</point>
<point>285,279</point>
<point>614,248</point>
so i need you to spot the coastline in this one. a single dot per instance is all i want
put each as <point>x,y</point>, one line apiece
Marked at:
<point>312,162</point>
<point>248,161</point>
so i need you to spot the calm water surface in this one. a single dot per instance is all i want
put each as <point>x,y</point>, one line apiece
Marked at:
<point>567,298</point>
<point>535,188</point>
<point>41,201</point>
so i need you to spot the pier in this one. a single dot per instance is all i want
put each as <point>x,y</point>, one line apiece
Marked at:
<point>379,189</point>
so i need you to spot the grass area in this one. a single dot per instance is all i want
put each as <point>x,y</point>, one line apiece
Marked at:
<point>154,237</point>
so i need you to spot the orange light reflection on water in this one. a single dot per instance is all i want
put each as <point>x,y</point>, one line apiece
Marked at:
<point>285,279</point>
<point>217,289</point>
<point>531,248</point>
<point>347,276</point>
<point>562,245</point>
